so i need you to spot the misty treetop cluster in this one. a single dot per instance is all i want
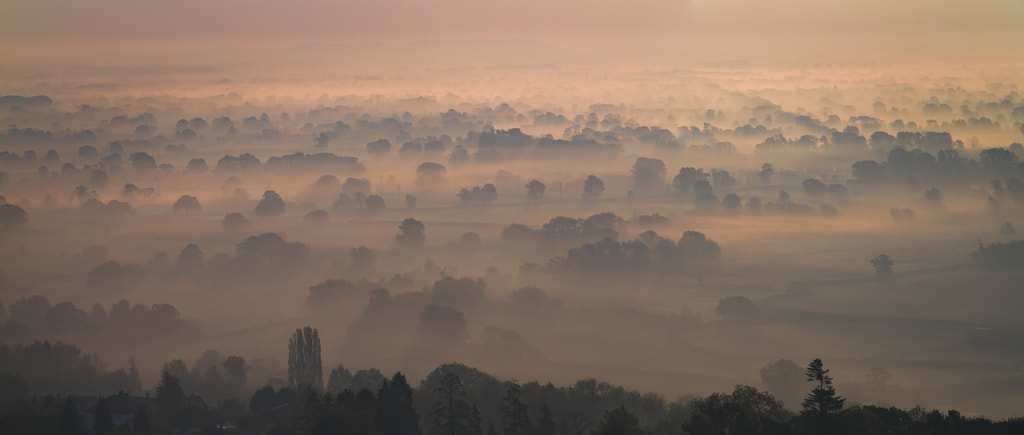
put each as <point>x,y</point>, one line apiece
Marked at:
<point>670,245</point>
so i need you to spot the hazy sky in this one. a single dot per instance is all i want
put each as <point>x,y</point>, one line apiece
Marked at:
<point>743,25</point>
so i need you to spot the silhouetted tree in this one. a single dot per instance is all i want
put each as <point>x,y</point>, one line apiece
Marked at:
<point>822,400</point>
<point>731,203</point>
<point>375,202</point>
<point>722,180</point>
<point>103,420</point>
<point>1007,229</point>
<point>142,162</point>
<point>814,188</point>
<point>235,370</point>
<point>339,379</point>
<point>593,187</point>
<point>883,266</point>
<point>234,221</point>
<point>397,415</point>
<point>535,190</point>
<point>648,174</point>
<point>71,421</point>
<point>767,171</point>
<point>304,366</point>
<point>684,181</point>
<point>452,415</point>
<point>12,217</point>
<point>618,421</point>
<point>354,186</point>
<point>745,411</point>
<point>170,398</point>
<point>412,233</point>
<point>271,205</point>
<point>410,201</point>
<point>140,423</point>
<point>479,195</point>
<point>514,414</point>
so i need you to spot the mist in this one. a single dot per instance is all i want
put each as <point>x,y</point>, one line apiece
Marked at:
<point>543,205</point>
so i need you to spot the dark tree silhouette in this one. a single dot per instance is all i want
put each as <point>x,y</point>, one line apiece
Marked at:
<point>515,414</point>
<point>535,190</point>
<point>883,266</point>
<point>304,359</point>
<point>197,167</point>
<point>648,174</point>
<point>234,221</point>
<point>593,187</point>
<point>722,180</point>
<point>71,422</point>
<point>397,415</point>
<point>410,201</point>
<point>684,181</point>
<point>103,420</point>
<point>170,398</point>
<point>354,185</point>
<point>767,171</point>
<point>339,380</point>
<point>428,171</point>
<point>271,205</point>
<point>12,217</point>
<point>412,233</point>
<point>731,203</point>
<point>619,421</point>
<point>187,203</point>
<point>140,423</point>
<point>479,195</point>
<point>814,188</point>
<point>380,146</point>
<point>142,162</point>
<point>452,415</point>
<point>822,400</point>
<point>745,411</point>
<point>375,202</point>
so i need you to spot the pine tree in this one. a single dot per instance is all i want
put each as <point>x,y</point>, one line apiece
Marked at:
<point>823,399</point>
<point>170,398</point>
<point>304,366</point>
<point>515,414</point>
<point>452,415</point>
<point>397,416</point>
